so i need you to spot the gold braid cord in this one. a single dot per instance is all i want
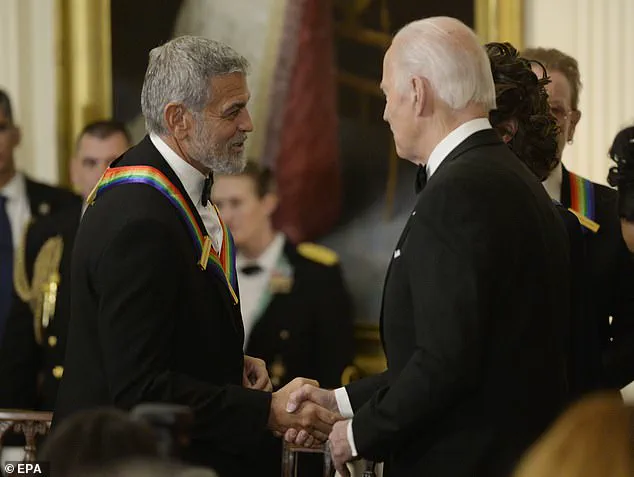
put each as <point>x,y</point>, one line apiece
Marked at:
<point>20,277</point>
<point>42,293</point>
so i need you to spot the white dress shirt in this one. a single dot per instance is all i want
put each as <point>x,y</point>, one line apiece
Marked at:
<point>253,287</point>
<point>438,154</point>
<point>193,181</point>
<point>552,184</point>
<point>18,207</point>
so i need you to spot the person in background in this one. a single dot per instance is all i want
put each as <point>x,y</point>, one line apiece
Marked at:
<point>295,305</point>
<point>96,438</point>
<point>592,438</point>
<point>293,296</point>
<point>610,272</point>
<point>622,177</point>
<point>522,117</point>
<point>32,351</point>
<point>21,201</point>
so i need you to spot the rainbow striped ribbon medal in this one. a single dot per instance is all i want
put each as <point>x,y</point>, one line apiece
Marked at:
<point>582,202</point>
<point>223,265</point>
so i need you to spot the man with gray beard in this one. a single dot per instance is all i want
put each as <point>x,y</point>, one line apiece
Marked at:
<point>155,310</point>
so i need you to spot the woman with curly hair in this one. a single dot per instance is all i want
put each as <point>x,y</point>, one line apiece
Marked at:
<point>526,125</point>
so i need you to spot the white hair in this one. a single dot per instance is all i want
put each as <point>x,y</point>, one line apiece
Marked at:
<point>179,71</point>
<point>449,54</point>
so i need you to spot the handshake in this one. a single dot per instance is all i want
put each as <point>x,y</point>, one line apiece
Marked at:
<point>303,413</point>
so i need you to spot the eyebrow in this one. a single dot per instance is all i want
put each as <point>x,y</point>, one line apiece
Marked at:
<point>236,105</point>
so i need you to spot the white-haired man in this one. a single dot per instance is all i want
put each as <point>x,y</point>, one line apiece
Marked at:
<point>472,316</point>
<point>155,314</point>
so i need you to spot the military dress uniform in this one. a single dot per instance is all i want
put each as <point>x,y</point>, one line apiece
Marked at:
<point>302,323</point>
<point>298,319</point>
<point>22,201</point>
<point>32,355</point>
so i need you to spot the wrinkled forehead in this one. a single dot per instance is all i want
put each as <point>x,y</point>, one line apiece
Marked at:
<point>106,148</point>
<point>388,66</point>
<point>229,87</point>
<point>558,88</point>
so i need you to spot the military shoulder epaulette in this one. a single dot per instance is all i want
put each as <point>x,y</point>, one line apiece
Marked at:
<point>318,253</point>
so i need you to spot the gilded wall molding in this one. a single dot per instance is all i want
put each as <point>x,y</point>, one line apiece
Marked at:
<point>84,71</point>
<point>500,20</point>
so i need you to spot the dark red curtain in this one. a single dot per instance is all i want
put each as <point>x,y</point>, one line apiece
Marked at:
<point>307,157</point>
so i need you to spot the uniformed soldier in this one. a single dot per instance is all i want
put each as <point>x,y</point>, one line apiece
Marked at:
<point>295,306</point>
<point>32,352</point>
<point>21,200</point>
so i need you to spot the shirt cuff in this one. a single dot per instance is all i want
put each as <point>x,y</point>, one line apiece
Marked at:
<point>350,434</point>
<point>343,403</point>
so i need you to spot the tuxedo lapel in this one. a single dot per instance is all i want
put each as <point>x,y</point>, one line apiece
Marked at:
<point>565,187</point>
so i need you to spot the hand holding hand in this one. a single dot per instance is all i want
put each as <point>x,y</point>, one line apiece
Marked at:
<point>255,375</point>
<point>311,418</point>
<point>309,393</point>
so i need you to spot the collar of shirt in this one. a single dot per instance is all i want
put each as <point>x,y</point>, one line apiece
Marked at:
<point>192,179</point>
<point>552,184</point>
<point>452,140</point>
<point>15,189</point>
<point>268,259</point>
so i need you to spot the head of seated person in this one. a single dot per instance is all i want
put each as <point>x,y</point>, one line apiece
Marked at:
<point>95,438</point>
<point>522,116</point>
<point>592,438</point>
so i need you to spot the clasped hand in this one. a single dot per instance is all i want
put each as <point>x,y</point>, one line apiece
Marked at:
<point>340,449</point>
<point>293,414</point>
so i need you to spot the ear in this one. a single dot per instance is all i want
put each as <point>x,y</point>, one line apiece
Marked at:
<point>178,120</point>
<point>270,202</point>
<point>419,89</point>
<point>508,129</point>
<point>575,116</point>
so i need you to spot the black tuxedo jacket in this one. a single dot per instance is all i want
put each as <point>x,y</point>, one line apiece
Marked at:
<point>148,325</point>
<point>584,353</point>
<point>473,323</point>
<point>29,370</point>
<point>45,199</point>
<point>610,284</point>
<point>306,330</point>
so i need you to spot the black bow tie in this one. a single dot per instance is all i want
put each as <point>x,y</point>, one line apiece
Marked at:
<point>251,269</point>
<point>421,179</point>
<point>206,197</point>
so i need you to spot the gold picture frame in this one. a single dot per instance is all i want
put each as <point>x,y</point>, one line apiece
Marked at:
<point>500,20</point>
<point>84,72</point>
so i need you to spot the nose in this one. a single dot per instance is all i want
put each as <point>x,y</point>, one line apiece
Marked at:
<point>246,125</point>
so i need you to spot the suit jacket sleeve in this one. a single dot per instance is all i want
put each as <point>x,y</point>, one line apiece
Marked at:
<point>138,280</point>
<point>445,282</point>
<point>620,360</point>
<point>19,359</point>
<point>359,392</point>
<point>20,355</point>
